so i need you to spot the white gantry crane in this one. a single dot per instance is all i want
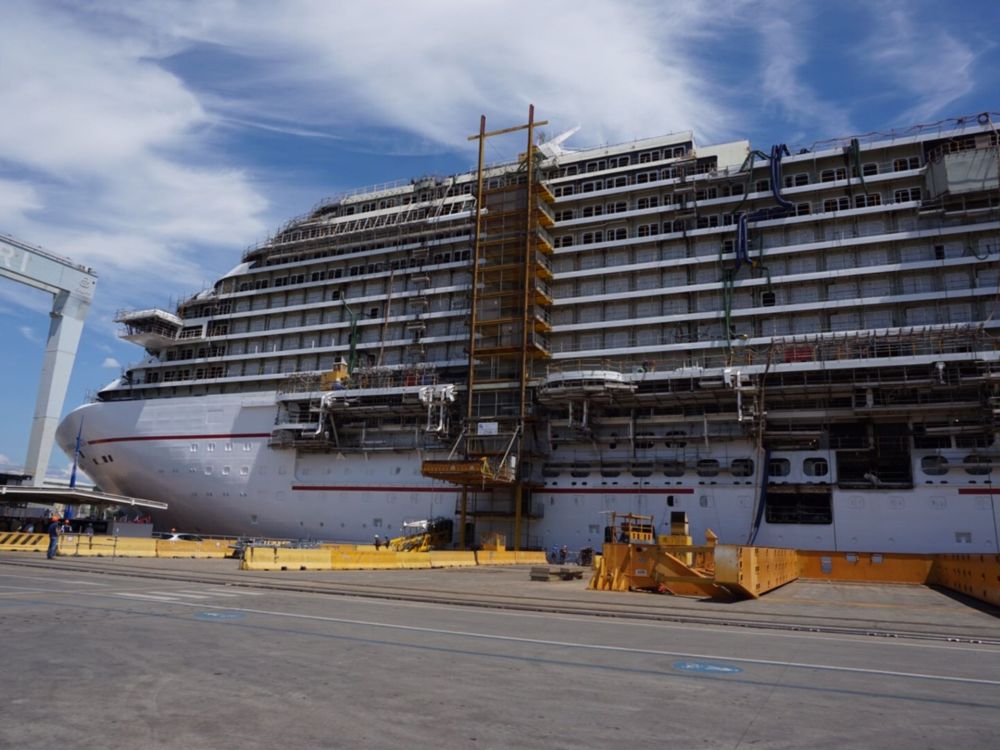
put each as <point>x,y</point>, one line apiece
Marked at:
<point>72,288</point>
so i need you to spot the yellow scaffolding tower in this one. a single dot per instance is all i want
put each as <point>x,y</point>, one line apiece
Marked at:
<point>510,317</point>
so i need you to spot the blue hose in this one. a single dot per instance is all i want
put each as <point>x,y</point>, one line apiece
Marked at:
<point>777,151</point>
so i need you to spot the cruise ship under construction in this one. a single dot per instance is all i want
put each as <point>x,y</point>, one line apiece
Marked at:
<point>796,348</point>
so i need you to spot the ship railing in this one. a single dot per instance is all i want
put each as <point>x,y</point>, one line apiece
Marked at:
<point>313,381</point>
<point>975,121</point>
<point>821,346</point>
<point>585,365</point>
<point>375,189</point>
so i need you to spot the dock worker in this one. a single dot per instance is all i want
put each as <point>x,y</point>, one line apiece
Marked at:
<point>55,529</point>
<point>378,542</point>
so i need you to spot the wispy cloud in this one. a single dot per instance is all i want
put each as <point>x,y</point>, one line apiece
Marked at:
<point>620,68</point>
<point>29,333</point>
<point>111,363</point>
<point>923,61</point>
<point>783,57</point>
<point>110,159</point>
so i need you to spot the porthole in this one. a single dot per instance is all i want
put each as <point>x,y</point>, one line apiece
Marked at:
<point>934,466</point>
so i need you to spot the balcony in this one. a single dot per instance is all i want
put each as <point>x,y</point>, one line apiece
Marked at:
<point>545,216</point>
<point>150,329</point>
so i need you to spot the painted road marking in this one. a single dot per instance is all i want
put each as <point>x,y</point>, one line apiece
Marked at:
<point>180,594</point>
<point>219,616</point>
<point>613,649</point>
<point>209,591</point>
<point>701,666</point>
<point>147,597</point>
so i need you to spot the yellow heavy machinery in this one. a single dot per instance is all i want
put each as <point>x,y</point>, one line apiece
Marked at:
<point>424,535</point>
<point>635,557</point>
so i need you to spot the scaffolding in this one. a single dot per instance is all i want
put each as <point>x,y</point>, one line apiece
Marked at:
<point>510,320</point>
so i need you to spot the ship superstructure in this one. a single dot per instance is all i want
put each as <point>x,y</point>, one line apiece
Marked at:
<point>792,348</point>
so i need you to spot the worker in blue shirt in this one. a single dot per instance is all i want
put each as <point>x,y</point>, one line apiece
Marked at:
<point>55,529</point>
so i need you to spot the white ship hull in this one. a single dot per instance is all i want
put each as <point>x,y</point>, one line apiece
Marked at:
<point>209,459</point>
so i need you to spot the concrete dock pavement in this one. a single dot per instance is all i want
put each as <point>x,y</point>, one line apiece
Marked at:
<point>192,653</point>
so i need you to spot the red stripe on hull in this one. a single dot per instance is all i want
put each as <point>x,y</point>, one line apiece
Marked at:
<point>617,490</point>
<point>356,488</point>
<point>139,438</point>
<point>553,490</point>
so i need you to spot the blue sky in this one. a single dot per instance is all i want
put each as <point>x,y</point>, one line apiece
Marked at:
<point>155,141</point>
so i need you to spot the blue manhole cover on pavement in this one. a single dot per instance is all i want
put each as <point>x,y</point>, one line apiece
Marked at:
<point>706,667</point>
<point>219,616</point>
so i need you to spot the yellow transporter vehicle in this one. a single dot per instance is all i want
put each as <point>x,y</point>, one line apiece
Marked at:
<point>424,535</point>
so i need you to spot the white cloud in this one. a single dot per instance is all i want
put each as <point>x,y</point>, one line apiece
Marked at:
<point>784,53</point>
<point>924,62</point>
<point>29,333</point>
<point>110,159</point>
<point>111,363</point>
<point>16,199</point>
<point>623,69</point>
<point>4,460</point>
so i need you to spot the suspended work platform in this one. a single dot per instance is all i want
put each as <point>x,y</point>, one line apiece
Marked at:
<point>475,472</point>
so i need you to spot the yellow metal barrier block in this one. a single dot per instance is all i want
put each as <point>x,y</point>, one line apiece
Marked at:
<point>452,559</point>
<point>753,571</point>
<point>870,567</point>
<point>285,558</point>
<point>81,545</point>
<point>510,557</point>
<point>412,560</point>
<point>207,548</point>
<point>17,541</point>
<point>362,559</point>
<point>977,576</point>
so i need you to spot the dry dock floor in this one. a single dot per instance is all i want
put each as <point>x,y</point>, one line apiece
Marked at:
<point>131,653</point>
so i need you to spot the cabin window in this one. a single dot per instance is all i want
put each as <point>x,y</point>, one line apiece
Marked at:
<point>977,465</point>
<point>779,467</point>
<point>901,165</point>
<point>742,467</point>
<point>673,469</point>
<point>708,467</point>
<point>816,467</point>
<point>934,466</point>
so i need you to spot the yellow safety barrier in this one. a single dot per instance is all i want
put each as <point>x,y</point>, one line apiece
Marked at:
<point>510,557</point>
<point>364,557</point>
<point>285,558</point>
<point>17,541</point>
<point>868,567</point>
<point>754,570</point>
<point>977,576</point>
<point>82,545</point>
<point>206,548</point>
<point>449,559</point>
